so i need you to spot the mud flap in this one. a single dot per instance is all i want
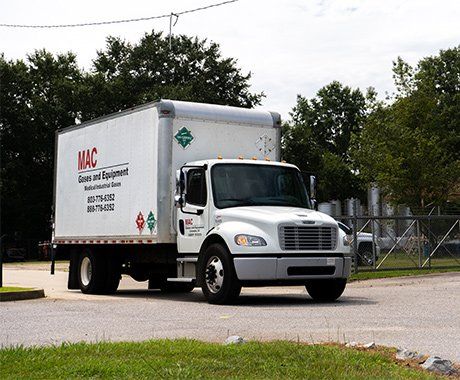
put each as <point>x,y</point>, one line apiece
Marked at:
<point>73,271</point>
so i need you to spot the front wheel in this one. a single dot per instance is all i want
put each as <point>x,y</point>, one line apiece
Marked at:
<point>218,278</point>
<point>326,290</point>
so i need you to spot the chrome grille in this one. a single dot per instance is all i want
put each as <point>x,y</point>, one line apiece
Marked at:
<point>308,238</point>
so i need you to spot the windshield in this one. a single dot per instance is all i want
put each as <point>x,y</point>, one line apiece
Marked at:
<point>257,185</point>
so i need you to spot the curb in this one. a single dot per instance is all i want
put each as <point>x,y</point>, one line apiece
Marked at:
<point>22,295</point>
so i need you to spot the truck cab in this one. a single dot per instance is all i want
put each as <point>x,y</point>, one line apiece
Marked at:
<point>247,222</point>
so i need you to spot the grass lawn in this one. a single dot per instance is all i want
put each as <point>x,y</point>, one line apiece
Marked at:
<point>6,289</point>
<point>399,273</point>
<point>407,266</point>
<point>189,359</point>
<point>403,260</point>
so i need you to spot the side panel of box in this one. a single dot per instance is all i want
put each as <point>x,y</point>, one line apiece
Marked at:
<point>106,179</point>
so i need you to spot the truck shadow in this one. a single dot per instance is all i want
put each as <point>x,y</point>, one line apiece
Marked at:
<point>246,300</point>
<point>299,300</point>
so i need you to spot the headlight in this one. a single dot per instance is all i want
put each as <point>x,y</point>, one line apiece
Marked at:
<point>250,240</point>
<point>347,240</point>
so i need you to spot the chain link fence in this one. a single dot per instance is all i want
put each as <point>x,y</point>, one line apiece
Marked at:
<point>403,242</point>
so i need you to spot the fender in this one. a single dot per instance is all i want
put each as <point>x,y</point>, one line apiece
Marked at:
<point>212,238</point>
<point>227,231</point>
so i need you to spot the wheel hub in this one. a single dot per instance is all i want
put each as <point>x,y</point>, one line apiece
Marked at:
<point>86,271</point>
<point>214,274</point>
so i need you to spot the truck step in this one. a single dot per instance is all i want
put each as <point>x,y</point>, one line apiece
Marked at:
<point>181,279</point>
<point>187,260</point>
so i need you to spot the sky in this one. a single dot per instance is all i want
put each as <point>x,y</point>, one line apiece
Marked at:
<point>291,47</point>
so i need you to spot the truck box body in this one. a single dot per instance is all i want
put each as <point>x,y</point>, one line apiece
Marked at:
<point>115,176</point>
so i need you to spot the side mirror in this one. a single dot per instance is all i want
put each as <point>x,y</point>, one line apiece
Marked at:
<point>314,203</point>
<point>179,200</point>
<point>182,182</point>
<point>181,190</point>
<point>312,187</point>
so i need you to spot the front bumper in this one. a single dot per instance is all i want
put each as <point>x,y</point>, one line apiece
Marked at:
<point>291,268</point>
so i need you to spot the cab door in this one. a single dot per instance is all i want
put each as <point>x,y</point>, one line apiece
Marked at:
<point>192,218</point>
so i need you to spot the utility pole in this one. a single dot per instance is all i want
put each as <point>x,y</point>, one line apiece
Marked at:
<point>171,26</point>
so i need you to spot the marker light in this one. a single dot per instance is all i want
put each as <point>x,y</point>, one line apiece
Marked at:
<point>266,159</point>
<point>254,158</point>
<point>240,157</point>
<point>250,241</point>
<point>219,157</point>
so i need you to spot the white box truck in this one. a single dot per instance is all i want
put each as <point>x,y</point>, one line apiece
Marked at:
<point>186,194</point>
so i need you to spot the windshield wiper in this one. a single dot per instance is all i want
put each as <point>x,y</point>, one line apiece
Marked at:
<point>245,200</point>
<point>237,202</point>
<point>284,202</point>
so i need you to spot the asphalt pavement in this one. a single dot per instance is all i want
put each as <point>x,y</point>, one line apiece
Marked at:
<point>419,313</point>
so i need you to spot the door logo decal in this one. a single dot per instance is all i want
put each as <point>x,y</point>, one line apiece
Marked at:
<point>184,137</point>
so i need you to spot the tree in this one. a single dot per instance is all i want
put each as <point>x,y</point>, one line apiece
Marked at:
<point>45,93</point>
<point>37,97</point>
<point>411,147</point>
<point>125,75</point>
<point>318,137</point>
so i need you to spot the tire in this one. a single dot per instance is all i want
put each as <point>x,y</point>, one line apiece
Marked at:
<point>97,274</point>
<point>326,290</point>
<point>72,282</point>
<point>217,276</point>
<point>113,275</point>
<point>365,255</point>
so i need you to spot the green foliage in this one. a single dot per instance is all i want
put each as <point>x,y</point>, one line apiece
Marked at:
<point>46,92</point>
<point>37,97</point>
<point>411,147</point>
<point>188,359</point>
<point>125,75</point>
<point>318,137</point>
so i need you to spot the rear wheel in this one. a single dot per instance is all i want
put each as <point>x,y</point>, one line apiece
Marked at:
<point>218,278</point>
<point>326,290</point>
<point>113,275</point>
<point>97,274</point>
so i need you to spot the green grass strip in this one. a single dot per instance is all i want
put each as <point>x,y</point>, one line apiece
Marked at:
<point>399,273</point>
<point>190,359</point>
<point>6,289</point>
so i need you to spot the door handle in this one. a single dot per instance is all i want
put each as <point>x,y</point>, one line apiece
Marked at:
<point>181,227</point>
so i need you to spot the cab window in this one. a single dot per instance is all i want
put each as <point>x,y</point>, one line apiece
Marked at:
<point>196,187</point>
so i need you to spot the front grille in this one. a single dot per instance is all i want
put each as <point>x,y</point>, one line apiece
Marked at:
<point>308,238</point>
